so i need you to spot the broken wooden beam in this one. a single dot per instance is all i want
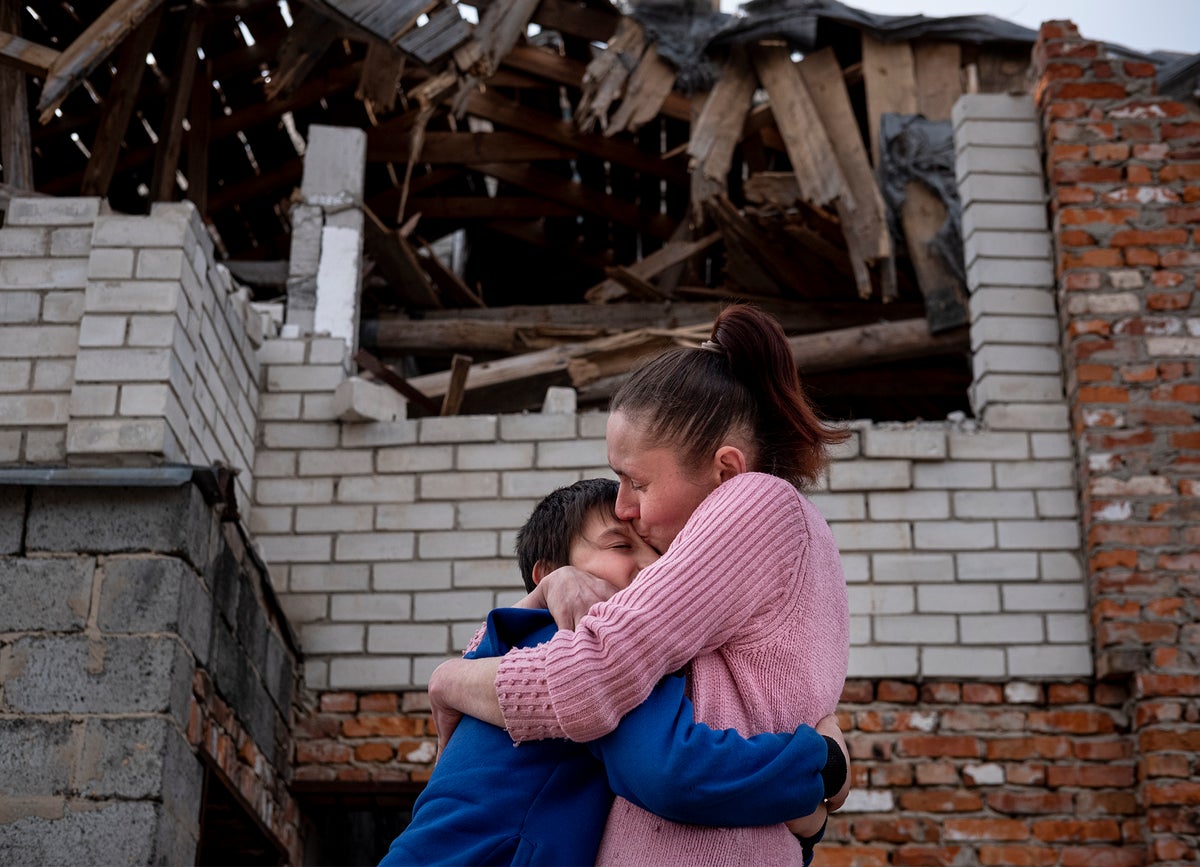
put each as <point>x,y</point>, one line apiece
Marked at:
<point>118,106</point>
<point>665,257</point>
<point>28,57</point>
<point>386,375</point>
<point>877,343</point>
<point>460,368</point>
<point>921,216</point>
<point>16,150</point>
<point>90,49</point>
<point>890,82</point>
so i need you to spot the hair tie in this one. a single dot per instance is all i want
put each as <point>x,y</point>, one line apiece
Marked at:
<point>713,346</point>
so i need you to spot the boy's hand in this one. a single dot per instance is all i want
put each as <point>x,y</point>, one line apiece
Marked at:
<point>807,826</point>
<point>570,593</point>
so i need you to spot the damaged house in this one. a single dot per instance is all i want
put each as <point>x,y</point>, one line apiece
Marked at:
<point>303,306</point>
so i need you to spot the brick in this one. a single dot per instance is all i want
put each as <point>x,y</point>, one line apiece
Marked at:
<point>456,605</point>
<point>1008,245</point>
<point>962,662</point>
<point>1037,535</point>
<point>915,629</point>
<point>14,375</point>
<point>488,573</point>
<point>1003,217</point>
<point>1027,417</point>
<point>918,443</point>
<point>154,331</point>
<point>493,514</point>
<point>102,330</point>
<point>409,638</point>
<point>148,400</point>
<point>19,307</point>
<point>953,535</point>
<point>571,453</point>
<point>872,475</point>
<point>41,341</point>
<point>281,351</point>
<point>374,606</point>
<point>872,535</point>
<point>1063,661</point>
<point>335,463</point>
<point>958,598</point>
<point>458,429</point>
<point>35,757</point>
<point>912,568</point>
<point>884,661</point>
<point>308,377</point>
<point>293,491</point>
<point>34,409</point>
<point>1010,388</point>
<point>160,264</point>
<point>1016,359</point>
<point>1001,188</point>
<point>428,575</point>
<point>53,374</point>
<point>322,638</point>
<point>303,608</point>
<point>536,426</point>
<point>416,459</point>
<point>329,577</point>
<point>988,445</point>
<point>282,435</point>
<point>841,507</point>
<point>494,456</point>
<point>415,516</point>
<point>295,549</point>
<point>955,475</point>
<point>52,211</point>
<point>1044,597</point>
<point>534,483</point>
<point>1036,475</point>
<point>911,505</point>
<point>123,365</point>
<point>122,436</point>
<point>1009,301</point>
<point>1023,273</point>
<point>391,672</point>
<point>373,546</point>
<point>994,504</point>
<point>1002,629</point>
<point>315,519</point>
<point>457,544</point>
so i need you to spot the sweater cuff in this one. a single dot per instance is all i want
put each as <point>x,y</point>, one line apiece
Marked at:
<point>834,772</point>
<point>524,697</point>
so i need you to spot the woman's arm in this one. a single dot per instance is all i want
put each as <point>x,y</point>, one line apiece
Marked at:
<point>738,557</point>
<point>463,686</point>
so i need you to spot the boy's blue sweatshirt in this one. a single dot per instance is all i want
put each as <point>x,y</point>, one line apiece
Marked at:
<point>546,802</point>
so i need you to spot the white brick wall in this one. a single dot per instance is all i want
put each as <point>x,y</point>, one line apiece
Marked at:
<point>389,540</point>
<point>140,350</point>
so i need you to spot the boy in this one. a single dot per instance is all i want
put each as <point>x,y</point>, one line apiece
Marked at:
<point>546,803</point>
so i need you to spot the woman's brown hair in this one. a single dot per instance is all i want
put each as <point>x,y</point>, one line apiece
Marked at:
<point>744,382</point>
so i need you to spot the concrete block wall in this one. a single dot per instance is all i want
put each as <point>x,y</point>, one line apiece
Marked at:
<point>133,642</point>
<point>122,341</point>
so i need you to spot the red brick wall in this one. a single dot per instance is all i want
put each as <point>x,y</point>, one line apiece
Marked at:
<point>1124,179</point>
<point>1100,773</point>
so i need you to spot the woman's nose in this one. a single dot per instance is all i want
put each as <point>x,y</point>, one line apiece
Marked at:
<point>626,508</point>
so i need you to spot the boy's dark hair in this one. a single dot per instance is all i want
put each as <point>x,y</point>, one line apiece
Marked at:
<point>556,522</point>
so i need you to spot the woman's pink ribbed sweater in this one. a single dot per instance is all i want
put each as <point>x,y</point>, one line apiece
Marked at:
<point>752,593</point>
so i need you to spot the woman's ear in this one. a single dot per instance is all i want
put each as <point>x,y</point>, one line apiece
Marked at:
<point>729,461</point>
<point>540,571</point>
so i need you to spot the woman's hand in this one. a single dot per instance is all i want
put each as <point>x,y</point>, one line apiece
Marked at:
<point>463,686</point>
<point>829,727</point>
<point>570,593</point>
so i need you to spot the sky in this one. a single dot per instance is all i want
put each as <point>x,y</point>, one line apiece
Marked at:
<point>1145,25</point>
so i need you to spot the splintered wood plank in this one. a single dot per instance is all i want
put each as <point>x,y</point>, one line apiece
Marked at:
<point>460,367</point>
<point>891,84</point>
<point>648,88</point>
<point>166,158</point>
<point>484,208</point>
<point>501,25</point>
<point>452,288</point>
<point>865,224</point>
<point>665,257</point>
<point>804,137</point>
<point>200,119</point>
<point>604,78</point>
<point>22,54</point>
<point>945,297</point>
<point>938,71</point>
<point>118,105</point>
<point>717,130</point>
<point>308,38</point>
<point>444,33</point>
<point>380,81</point>
<point>16,152</point>
<point>90,49</point>
<point>397,262</point>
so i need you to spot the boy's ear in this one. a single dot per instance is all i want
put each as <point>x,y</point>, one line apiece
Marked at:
<point>540,571</point>
<point>729,461</point>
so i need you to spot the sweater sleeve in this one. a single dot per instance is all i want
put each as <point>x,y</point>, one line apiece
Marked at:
<point>734,560</point>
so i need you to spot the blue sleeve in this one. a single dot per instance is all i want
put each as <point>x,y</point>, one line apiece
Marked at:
<point>664,761</point>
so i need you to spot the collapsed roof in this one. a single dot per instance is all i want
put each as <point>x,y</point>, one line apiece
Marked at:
<point>545,173</point>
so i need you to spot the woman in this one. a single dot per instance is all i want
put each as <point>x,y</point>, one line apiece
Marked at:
<point>708,445</point>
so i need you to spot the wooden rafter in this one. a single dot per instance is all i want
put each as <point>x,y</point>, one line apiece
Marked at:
<point>441,148</point>
<point>21,54</point>
<point>166,159</point>
<point>90,49</point>
<point>16,154</point>
<point>119,104</point>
